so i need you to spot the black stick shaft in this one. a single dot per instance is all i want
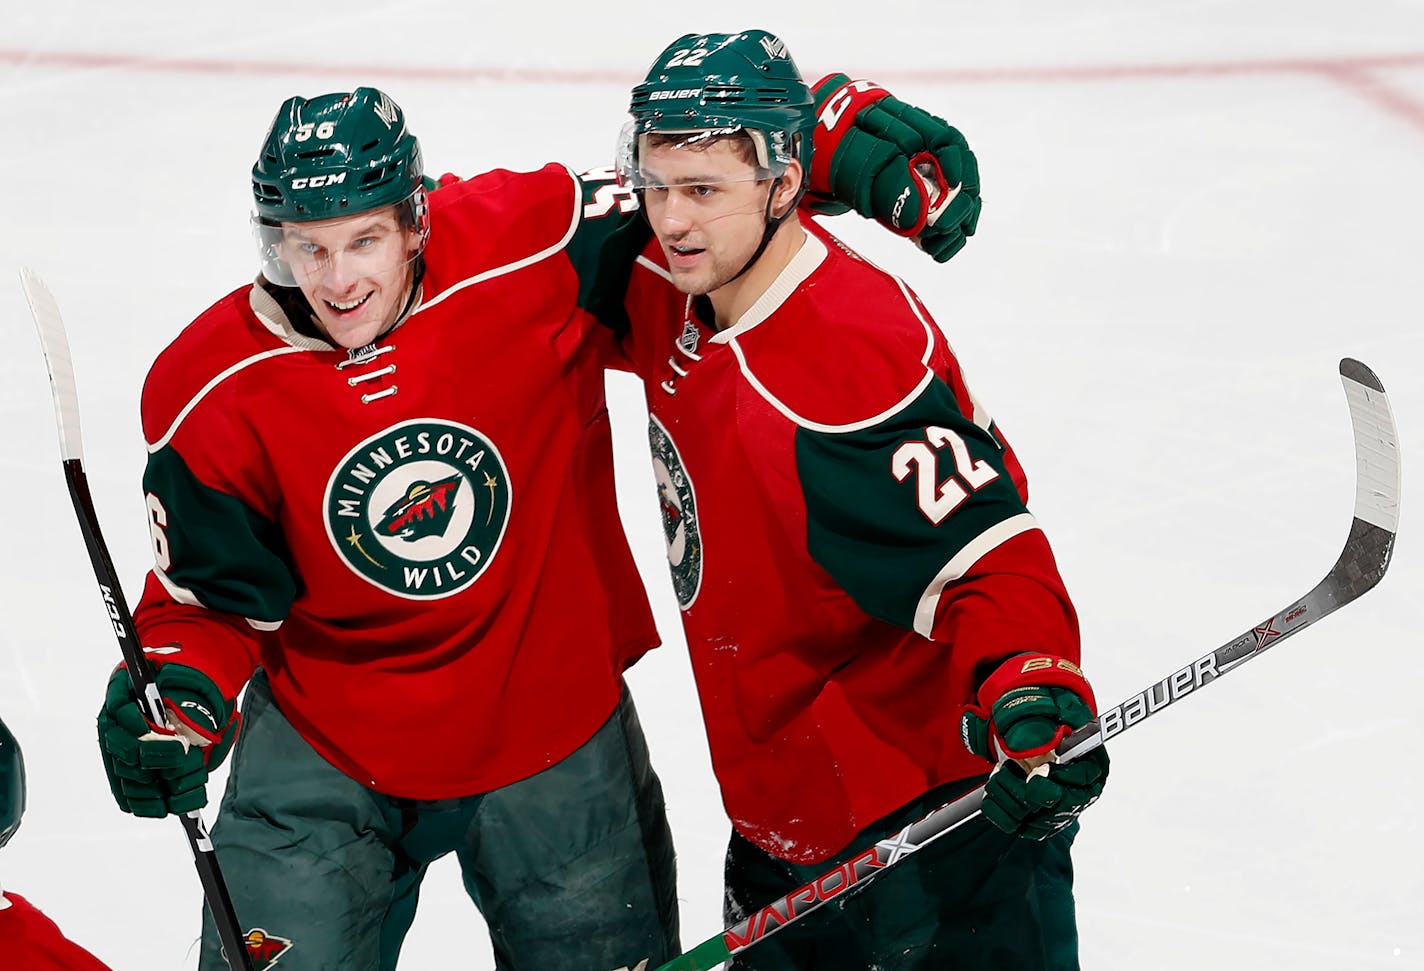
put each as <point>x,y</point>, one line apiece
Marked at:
<point>142,676</point>
<point>55,345</point>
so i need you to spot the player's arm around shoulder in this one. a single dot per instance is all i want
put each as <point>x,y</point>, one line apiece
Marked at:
<point>504,219</point>
<point>605,252</point>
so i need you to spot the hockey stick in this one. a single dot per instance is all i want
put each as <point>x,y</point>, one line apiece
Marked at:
<point>66,411</point>
<point>1360,566</point>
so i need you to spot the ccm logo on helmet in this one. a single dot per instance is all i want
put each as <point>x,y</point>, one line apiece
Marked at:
<point>317,181</point>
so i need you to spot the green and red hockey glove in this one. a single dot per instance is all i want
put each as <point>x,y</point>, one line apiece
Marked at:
<point>1040,803</point>
<point>1022,711</point>
<point>905,168</point>
<point>155,770</point>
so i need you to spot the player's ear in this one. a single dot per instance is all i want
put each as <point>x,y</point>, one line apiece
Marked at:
<point>788,189</point>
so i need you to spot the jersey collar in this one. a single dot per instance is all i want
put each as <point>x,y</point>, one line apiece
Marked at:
<point>811,254</point>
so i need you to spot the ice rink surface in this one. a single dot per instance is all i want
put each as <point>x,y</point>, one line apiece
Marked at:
<point>1193,211</point>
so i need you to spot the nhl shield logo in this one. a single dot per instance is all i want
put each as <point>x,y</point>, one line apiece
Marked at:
<point>420,508</point>
<point>679,512</point>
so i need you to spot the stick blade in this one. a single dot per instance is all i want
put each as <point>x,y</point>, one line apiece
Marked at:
<point>1376,446</point>
<point>61,368</point>
<point>1370,545</point>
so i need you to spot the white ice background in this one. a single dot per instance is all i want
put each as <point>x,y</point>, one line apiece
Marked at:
<point>1193,211</point>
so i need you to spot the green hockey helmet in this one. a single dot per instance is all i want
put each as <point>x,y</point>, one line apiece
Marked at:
<point>12,785</point>
<point>712,84</point>
<point>333,156</point>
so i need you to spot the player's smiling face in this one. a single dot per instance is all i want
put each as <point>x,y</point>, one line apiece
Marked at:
<point>355,271</point>
<point>708,210</point>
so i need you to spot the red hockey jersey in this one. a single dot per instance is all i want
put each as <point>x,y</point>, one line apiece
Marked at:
<point>418,541</point>
<point>30,941</point>
<point>849,544</point>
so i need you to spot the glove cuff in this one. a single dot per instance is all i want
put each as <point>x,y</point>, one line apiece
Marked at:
<point>838,101</point>
<point>974,732</point>
<point>194,702</point>
<point>1035,670</point>
<point>1023,679</point>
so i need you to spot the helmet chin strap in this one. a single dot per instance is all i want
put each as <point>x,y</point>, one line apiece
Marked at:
<point>416,276</point>
<point>419,214</point>
<point>773,223</point>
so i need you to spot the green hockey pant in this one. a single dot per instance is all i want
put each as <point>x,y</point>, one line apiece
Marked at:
<point>571,868</point>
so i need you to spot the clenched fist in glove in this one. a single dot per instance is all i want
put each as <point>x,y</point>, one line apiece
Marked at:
<point>903,167</point>
<point>155,770</point>
<point>1022,711</point>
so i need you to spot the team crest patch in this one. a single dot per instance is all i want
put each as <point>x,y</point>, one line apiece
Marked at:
<point>419,509</point>
<point>679,512</point>
<point>263,949</point>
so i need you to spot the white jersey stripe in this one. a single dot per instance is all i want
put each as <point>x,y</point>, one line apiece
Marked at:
<point>992,538</point>
<point>648,264</point>
<point>543,254</point>
<point>181,594</point>
<point>185,596</point>
<point>167,436</point>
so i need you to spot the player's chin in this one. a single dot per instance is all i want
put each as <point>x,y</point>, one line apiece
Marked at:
<point>351,333</point>
<point>695,282</point>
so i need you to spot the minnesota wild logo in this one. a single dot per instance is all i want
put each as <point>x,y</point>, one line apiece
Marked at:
<point>264,949</point>
<point>419,509</point>
<point>679,513</point>
<point>425,510</point>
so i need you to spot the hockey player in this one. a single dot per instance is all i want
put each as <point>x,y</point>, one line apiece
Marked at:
<point>28,939</point>
<point>380,495</point>
<point>875,619</point>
